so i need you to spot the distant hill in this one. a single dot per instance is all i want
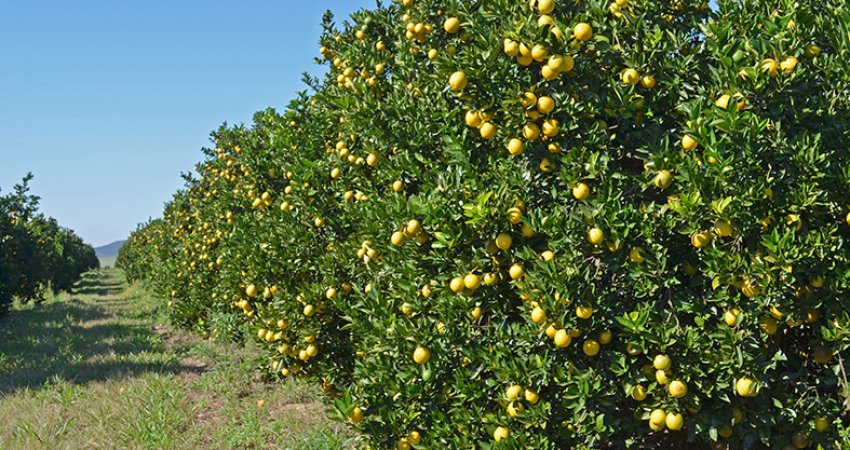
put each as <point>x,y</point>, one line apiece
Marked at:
<point>109,250</point>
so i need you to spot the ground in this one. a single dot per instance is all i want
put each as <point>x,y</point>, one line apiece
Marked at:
<point>99,368</point>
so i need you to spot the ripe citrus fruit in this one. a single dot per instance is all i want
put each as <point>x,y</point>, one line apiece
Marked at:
<point>451,25</point>
<point>590,347</point>
<point>538,315</point>
<point>636,255</point>
<point>722,227</point>
<point>677,388</point>
<point>515,147</point>
<point>458,81</point>
<point>356,415</point>
<point>581,191</point>
<point>562,338</point>
<point>472,281</point>
<point>516,272</point>
<point>595,236</point>
<point>745,387</point>
<point>630,76</point>
<point>688,142</point>
<point>647,81</point>
<point>731,317</point>
<point>674,421</point>
<point>661,362</point>
<point>421,355</point>
<point>663,179</point>
<point>545,105</point>
<point>487,130</point>
<point>639,393</point>
<point>658,416</point>
<point>583,32</point>
<point>545,6</point>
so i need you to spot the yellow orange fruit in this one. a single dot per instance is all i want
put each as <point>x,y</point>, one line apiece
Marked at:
<point>504,241</point>
<point>638,393</point>
<point>636,255</point>
<point>513,391</point>
<point>531,396</point>
<point>581,191</point>
<point>545,6</point>
<point>531,131</point>
<point>688,142</point>
<point>677,388</point>
<point>661,362</point>
<point>473,118</point>
<point>562,338</point>
<point>723,227</point>
<point>595,235</point>
<point>800,439</point>
<point>421,355</point>
<point>451,25</point>
<point>583,32</point>
<point>545,105</point>
<point>731,317</point>
<point>769,66</point>
<point>487,130</point>
<point>822,354</point>
<point>458,81</point>
<point>590,347</point>
<point>356,415</point>
<point>472,281</point>
<point>456,284</point>
<point>516,272</point>
<point>538,315</point>
<point>658,416</point>
<point>700,239</point>
<point>630,76</point>
<point>723,101</point>
<point>788,65</point>
<point>674,421</point>
<point>515,147</point>
<point>663,179</point>
<point>745,387</point>
<point>647,81</point>
<point>821,424</point>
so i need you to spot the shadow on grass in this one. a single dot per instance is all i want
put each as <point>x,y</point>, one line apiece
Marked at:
<point>102,284</point>
<point>97,335</point>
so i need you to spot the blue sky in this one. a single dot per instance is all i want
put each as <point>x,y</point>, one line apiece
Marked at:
<point>107,101</point>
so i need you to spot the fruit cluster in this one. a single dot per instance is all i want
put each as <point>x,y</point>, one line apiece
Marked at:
<point>643,267</point>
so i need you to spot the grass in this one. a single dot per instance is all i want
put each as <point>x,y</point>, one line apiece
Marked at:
<point>107,261</point>
<point>99,369</point>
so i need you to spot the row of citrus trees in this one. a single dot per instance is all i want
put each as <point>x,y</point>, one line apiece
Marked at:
<point>545,224</point>
<point>36,254</point>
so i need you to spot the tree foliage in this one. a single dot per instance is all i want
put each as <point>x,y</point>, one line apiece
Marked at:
<point>545,224</point>
<point>36,254</point>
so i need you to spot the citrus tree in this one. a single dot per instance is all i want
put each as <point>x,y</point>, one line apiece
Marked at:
<point>36,254</point>
<point>545,224</point>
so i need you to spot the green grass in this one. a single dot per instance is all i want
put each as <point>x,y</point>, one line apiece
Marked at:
<point>99,369</point>
<point>107,262</point>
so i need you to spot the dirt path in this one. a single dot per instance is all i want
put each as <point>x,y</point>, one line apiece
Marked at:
<point>100,369</point>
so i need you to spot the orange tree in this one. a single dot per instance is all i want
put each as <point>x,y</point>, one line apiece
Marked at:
<point>545,224</point>
<point>36,254</point>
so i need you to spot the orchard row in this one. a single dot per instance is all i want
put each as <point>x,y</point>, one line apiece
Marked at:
<point>36,254</point>
<point>545,224</point>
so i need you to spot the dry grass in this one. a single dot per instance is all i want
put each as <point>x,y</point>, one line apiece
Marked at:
<point>98,369</point>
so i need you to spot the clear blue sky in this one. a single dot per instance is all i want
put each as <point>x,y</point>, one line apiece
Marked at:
<point>107,101</point>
